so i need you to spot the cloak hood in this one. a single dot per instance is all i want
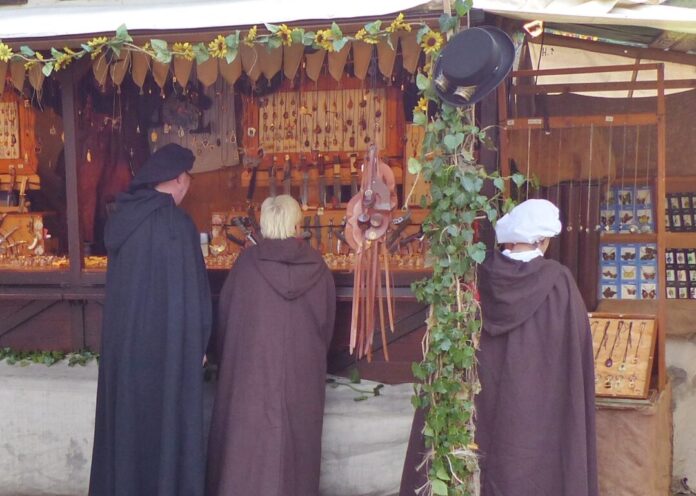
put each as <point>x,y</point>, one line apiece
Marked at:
<point>290,266</point>
<point>512,291</point>
<point>132,208</point>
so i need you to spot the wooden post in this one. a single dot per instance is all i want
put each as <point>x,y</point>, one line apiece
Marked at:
<point>660,222</point>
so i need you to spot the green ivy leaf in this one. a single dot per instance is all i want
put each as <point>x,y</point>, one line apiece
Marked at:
<point>420,119</point>
<point>422,81</point>
<point>116,48</point>
<point>414,165</point>
<point>519,179</point>
<point>421,32</point>
<point>477,252</point>
<point>439,487</point>
<point>447,23</point>
<point>26,51</point>
<point>454,141</point>
<point>339,44</point>
<point>122,34</point>
<point>462,7</point>
<point>47,69</point>
<point>201,52</point>
<point>297,35</point>
<point>158,45</point>
<point>86,48</point>
<point>274,43</point>
<point>308,38</point>
<point>336,31</point>
<point>231,54</point>
<point>273,28</point>
<point>499,183</point>
<point>373,27</point>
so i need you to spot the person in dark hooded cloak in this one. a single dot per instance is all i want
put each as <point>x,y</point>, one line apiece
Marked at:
<point>148,438</point>
<point>276,320</point>
<point>535,414</point>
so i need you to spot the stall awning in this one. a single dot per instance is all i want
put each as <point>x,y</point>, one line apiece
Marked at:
<point>53,18</point>
<point>612,12</point>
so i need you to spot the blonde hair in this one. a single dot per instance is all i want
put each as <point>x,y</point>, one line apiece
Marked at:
<point>279,217</point>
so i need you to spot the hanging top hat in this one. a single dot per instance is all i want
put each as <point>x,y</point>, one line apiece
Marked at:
<point>472,64</point>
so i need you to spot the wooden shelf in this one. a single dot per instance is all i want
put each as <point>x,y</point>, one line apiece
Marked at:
<point>680,240</point>
<point>628,237</point>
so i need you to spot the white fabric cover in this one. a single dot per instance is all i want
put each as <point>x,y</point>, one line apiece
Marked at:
<point>529,222</point>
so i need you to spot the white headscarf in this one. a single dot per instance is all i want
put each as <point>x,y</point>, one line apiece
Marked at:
<point>529,222</point>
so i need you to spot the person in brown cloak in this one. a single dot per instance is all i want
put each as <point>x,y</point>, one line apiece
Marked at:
<point>535,414</point>
<point>276,319</point>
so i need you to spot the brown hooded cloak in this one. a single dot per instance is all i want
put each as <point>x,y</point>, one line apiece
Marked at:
<point>277,311</point>
<point>535,424</point>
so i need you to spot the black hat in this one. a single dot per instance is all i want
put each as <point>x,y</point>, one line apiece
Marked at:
<point>472,64</point>
<point>165,164</point>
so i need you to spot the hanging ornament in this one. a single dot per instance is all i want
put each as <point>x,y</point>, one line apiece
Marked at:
<point>89,155</point>
<point>154,136</point>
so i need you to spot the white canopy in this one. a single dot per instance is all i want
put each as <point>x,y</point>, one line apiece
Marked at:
<point>617,12</point>
<point>51,18</point>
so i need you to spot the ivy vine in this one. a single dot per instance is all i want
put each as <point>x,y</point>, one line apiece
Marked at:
<point>48,358</point>
<point>448,375</point>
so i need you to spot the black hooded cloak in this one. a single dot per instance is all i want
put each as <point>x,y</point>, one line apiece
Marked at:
<point>157,315</point>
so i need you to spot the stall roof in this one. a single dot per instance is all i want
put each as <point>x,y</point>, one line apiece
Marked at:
<point>58,18</point>
<point>675,15</point>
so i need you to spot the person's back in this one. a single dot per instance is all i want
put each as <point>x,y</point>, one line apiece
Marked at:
<point>148,432</point>
<point>276,321</point>
<point>535,412</point>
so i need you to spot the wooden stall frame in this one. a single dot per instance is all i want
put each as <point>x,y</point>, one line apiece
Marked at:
<point>658,119</point>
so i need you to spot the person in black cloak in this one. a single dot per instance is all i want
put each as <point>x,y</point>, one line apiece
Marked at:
<point>276,320</point>
<point>148,438</point>
<point>535,414</point>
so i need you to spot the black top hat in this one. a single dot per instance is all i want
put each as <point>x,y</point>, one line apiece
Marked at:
<point>472,64</point>
<point>165,164</point>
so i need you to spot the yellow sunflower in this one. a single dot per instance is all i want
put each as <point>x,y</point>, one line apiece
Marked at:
<point>363,35</point>
<point>251,36</point>
<point>323,39</point>
<point>285,35</point>
<point>184,50</point>
<point>398,24</point>
<point>218,47</point>
<point>422,105</point>
<point>62,61</point>
<point>431,42</point>
<point>5,52</point>
<point>97,44</point>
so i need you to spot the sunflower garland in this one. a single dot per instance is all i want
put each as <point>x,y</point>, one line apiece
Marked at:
<point>330,39</point>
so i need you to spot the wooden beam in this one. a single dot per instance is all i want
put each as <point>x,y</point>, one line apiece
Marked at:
<point>580,121</point>
<point>623,51</point>
<point>591,87</point>
<point>585,70</point>
<point>25,314</point>
<point>661,194</point>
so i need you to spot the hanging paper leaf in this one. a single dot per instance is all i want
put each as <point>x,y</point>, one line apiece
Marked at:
<point>122,34</point>
<point>273,28</point>
<point>373,27</point>
<point>336,31</point>
<point>25,50</point>
<point>201,53</point>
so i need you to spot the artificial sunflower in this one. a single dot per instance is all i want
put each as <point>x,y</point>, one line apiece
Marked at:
<point>251,36</point>
<point>398,24</point>
<point>363,35</point>
<point>422,105</point>
<point>62,61</point>
<point>323,39</point>
<point>97,44</point>
<point>218,47</point>
<point>431,42</point>
<point>285,35</point>
<point>184,50</point>
<point>5,52</point>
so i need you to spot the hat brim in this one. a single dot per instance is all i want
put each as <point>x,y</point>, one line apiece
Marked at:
<point>507,56</point>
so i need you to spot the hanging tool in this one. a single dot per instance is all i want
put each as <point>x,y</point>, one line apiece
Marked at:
<point>400,224</point>
<point>307,233</point>
<point>330,235</point>
<point>353,175</point>
<point>244,227</point>
<point>272,172</point>
<point>287,176</point>
<point>253,165</point>
<point>317,226</point>
<point>321,168</point>
<point>337,197</point>
<point>304,192</point>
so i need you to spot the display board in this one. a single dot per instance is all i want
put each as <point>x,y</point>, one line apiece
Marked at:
<point>624,350</point>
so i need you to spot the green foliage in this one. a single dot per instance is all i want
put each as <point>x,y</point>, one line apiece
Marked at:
<point>449,381</point>
<point>48,358</point>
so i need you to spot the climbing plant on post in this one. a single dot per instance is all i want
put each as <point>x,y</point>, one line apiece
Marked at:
<point>449,381</point>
